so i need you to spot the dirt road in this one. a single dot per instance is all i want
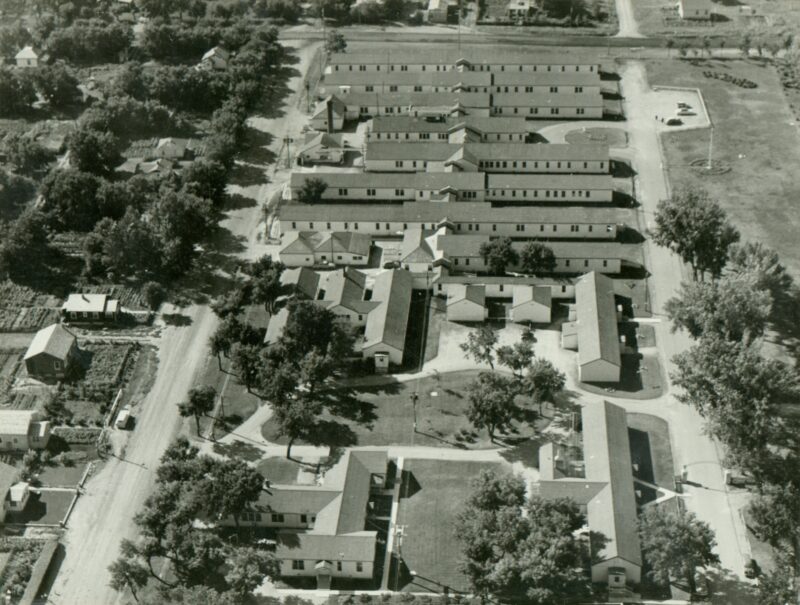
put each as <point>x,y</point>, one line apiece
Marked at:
<point>628,28</point>
<point>104,515</point>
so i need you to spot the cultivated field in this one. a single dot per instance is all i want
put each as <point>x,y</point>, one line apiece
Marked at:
<point>756,136</point>
<point>25,310</point>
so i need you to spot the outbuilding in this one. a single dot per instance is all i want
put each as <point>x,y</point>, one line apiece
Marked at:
<point>466,303</point>
<point>22,430</point>
<point>52,353</point>
<point>90,308</point>
<point>27,57</point>
<point>531,304</point>
<point>321,148</point>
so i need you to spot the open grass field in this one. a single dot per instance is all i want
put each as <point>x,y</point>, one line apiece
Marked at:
<point>432,493</point>
<point>47,507</point>
<point>755,134</point>
<point>661,17</point>
<point>384,415</point>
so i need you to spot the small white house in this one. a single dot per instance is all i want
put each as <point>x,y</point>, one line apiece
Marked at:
<point>531,304</point>
<point>321,148</point>
<point>466,303</point>
<point>170,149</point>
<point>27,57</point>
<point>215,59</point>
<point>695,9</point>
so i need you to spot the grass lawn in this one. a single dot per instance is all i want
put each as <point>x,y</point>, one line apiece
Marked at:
<point>641,378</point>
<point>751,135</point>
<point>384,415</point>
<point>239,404</point>
<point>432,494</point>
<point>281,471</point>
<point>47,507</point>
<point>63,476</point>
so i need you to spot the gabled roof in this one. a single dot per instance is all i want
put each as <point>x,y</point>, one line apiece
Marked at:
<point>302,279</point>
<point>387,324</point>
<point>54,340</point>
<point>344,241</point>
<point>346,288</point>
<point>415,247</point>
<point>276,325</point>
<point>489,125</point>
<point>89,303</point>
<point>471,181</point>
<point>528,99</point>
<point>598,334</point>
<point>321,139</point>
<point>17,422</point>
<point>416,99</point>
<point>296,242</point>
<point>550,181</point>
<point>472,293</point>
<point>27,52</point>
<point>420,54</point>
<point>381,81</point>
<point>217,51</point>
<point>607,457</point>
<point>523,295</point>
<point>321,108</point>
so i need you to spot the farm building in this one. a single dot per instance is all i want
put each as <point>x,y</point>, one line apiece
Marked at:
<point>306,249</point>
<point>27,57</point>
<point>602,485</point>
<point>321,148</point>
<point>323,531</point>
<point>329,114</point>
<point>216,59</point>
<point>52,353</point>
<point>540,222</point>
<point>442,11</point>
<point>466,303</point>
<point>22,430</point>
<point>453,129</point>
<point>695,9</point>
<point>85,308</point>
<point>593,330</point>
<point>531,304</point>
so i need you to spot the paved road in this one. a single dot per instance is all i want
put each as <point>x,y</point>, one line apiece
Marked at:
<point>628,28</point>
<point>104,516</point>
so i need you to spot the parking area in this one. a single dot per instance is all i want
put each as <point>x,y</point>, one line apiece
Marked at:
<point>682,104</point>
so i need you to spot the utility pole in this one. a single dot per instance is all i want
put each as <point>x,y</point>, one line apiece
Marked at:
<point>710,148</point>
<point>288,141</point>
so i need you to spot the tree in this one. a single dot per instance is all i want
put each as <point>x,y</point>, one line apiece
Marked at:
<point>231,486</point>
<point>25,153</point>
<point>516,357</point>
<point>543,382</point>
<point>491,398</point>
<point>669,44</point>
<point>310,327</point>
<point>295,417</point>
<point>248,568</point>
<point>206,178</point>
<point>338,10</point>
<point>154,295</point>
<point>774,514</point>
<point>696,228</point>
<point>480,345</point>
<point>17,93</point>
<point>498,254</point>
<point>512,548</point>
<point>200,403</point>
<point>745,44</point>
<point>245,360</point>
<point>739,393</point>
<point>127,572</point>
<point>707,45</point>
<point>15,193</point>
<point>194,595</point>
<point>266,283</point>
<point>311,191</point>
<point>675,544</point>
<point>733,308</point>
<point>335,43</point>
<point>537,258</point>
<point>70,199</point>
<point>763,264</point>
<point>93,151</point>
<point>58,85</point>
<point>24,245</point>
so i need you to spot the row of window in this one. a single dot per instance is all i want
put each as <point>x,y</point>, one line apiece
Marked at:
<point>443,136</point>
<point>547,193</point>
<point>275,517</point>
<point>534,111</point>
<point>459,226</point>
<point>567,263</point>
<point>476,89</point>
<point>524,164</point>
<point>464,195</point>
<point>300,565</point>
<point>548,68</point>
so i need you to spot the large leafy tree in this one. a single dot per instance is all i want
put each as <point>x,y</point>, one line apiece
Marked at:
<point>295,417</point>
<point>311,191</point>
<point>696,228</point>
<point>200,403</point>
<point>512,547</point>
<point>498,254</point>
<point>739,393</point>
<point>248,568</point>
<point>543,382</point>
<point>265,282</point>
<point>17,92</point>
<point>675,544</point>
<point>24,244</point>
<point>538,259</point>
<point>58,85</point>
<point>480,345</point>
<point>70,199</point>
<point>733,308</point>
<point>491,402</point>
<point>24,153</point>
<point>516,357</point>
<point>128,571</point>
<point>230,488</point>
<point>761,264</point>
<point>93,151</point>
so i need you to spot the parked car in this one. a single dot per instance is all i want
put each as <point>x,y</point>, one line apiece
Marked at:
<point>685,112</point>
<point>123,418</point>
<point>684,106</point>
<point>674,122</point>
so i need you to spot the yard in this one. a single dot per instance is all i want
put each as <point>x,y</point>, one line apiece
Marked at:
<point>661,16</point>
<point>23,309</point>
<point>239,404</point>
<point>432,493</point>
<point>47,507</point>
<point>650,449</point>
<point>384,415</point>
<point>755,138</point>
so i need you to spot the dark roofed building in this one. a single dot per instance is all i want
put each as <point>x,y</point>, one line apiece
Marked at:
<point>52,353</point>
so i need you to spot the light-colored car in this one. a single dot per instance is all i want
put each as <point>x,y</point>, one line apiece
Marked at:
<point>123,418</point>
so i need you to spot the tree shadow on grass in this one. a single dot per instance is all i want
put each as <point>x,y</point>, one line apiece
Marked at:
<point>247,175</point>
<point>256,147</point>
<point>239,449</point>
<point>785,321</point>
<point>178,320</point>
<point>346,404</point>
<point>237,201</point>
<point>525,451</point>
<point>331,434</point>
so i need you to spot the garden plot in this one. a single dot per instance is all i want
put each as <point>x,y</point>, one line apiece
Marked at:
<point>25,310</point>
<point>20,555</point>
